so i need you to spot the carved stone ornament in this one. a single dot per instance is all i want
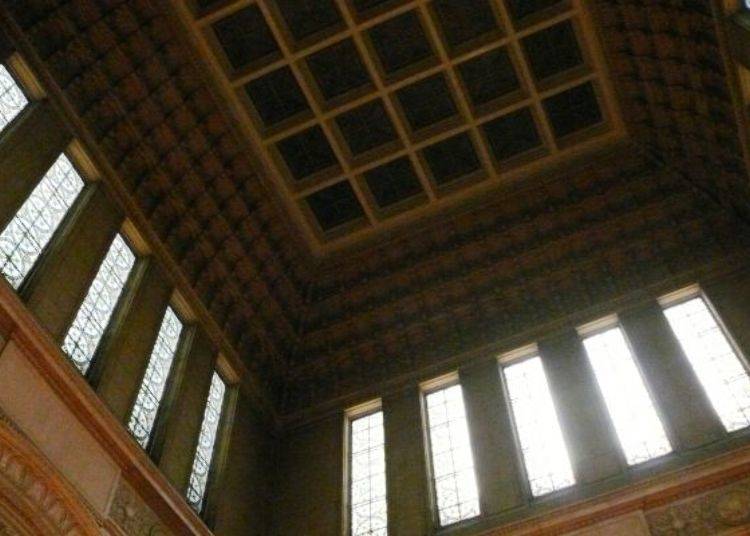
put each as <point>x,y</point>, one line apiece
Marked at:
<point>34,499</point>
<point>711,513</point>
<point>132,516</point>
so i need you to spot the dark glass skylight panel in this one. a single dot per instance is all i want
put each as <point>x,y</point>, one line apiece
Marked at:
<point>553,50</point>
<point>452,159</point>
<point>338,69</point>
<point>427,102</point>
<point>393,182</point>
<point>400,42</point>
<point>366,127</point>
<point>464,20</point>
<point>307,153</point>
<point>573,110</point>
<point>245,37</point>
<point>276,96</point>
<point>512,134</point>
<point>305,18</point>
<point>489,76</point>
<point>335,206</point>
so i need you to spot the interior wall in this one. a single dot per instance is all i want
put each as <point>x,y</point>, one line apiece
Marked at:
<point>311,482</point>
<point>246,499</point>
<point>575,241</point>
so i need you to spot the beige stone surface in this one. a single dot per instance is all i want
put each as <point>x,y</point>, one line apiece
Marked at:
<point>37,410</point>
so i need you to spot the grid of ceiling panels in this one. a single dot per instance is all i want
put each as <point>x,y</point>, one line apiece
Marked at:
<point>367,110</point>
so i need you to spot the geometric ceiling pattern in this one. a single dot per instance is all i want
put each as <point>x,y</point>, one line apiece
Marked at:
<point>368,114</point>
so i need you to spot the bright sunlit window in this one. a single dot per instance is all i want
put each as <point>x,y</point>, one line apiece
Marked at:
<point>367,492</point>
<point>204,452</point>
<point>452,459</point>
<point>636,422</point>
<point>12,99</point>
<point>100,302</point>
<point>146,408</point>
<point>545,455</point>
<point>31,229</point>
<point>714,361</point>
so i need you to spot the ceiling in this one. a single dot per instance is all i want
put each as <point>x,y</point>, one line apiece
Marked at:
<point>184,143</point>
<point>371,114</point>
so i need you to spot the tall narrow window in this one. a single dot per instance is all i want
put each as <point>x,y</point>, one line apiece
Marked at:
<point>545,455</point>
<point>452,461</point>
<point>100,302</point>
<point>30,230</point>
<point>368,512</point>
<point>12,99</point>
<point>204,453</point>
<point>636,422</point>
<point>714,361</point>
<point>147,403</point>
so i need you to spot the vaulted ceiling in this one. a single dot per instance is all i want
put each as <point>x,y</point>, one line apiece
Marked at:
<point>344,227</point>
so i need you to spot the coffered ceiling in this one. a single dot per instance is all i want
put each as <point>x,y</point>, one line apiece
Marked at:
<point>371,114</point>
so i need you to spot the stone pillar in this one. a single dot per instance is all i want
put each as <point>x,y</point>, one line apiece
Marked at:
<point>492,438</point>
<point>685,409</point>
<point>406,464</point>
<point>57,287</point>
<point>593,447</point>
<point>123,358</point>
<point>182,425</point>
<point>28,149</point>
<point>310,478</point>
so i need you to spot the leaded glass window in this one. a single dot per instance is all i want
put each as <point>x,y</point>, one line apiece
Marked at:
<point>367,492</point>
<point>154,383</point>
<point>100,302</point>
<point>635,419</point>
<point>543,448</point>
<point>30,230</point>
<point>452,460</point>
<point>204,453</point>
<point>714,360</point>
<point>12,99</point>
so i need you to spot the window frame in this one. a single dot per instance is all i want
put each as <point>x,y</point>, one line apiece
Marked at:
<point>686,294</point>
<point>350,415</point>
<point>176,375</point>
<point>602,325</point>
<point>27,84</point>
<point>427,388</point>
<point>515,357</point>
<point>221,446</point>
<point>65,226</point>
<point>120,306</point>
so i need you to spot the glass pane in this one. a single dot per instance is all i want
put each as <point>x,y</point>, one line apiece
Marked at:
<point>206,443</point>
<point>452,459</point>
<point>155,380</point>
<point>12,99</point>
<point>369,513</point>
<point>714,361</point>
<point>545,455</point>
<point>30,230</point>
<point>96,310</point>
<point>636,422</point>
